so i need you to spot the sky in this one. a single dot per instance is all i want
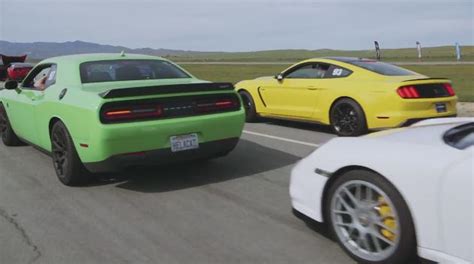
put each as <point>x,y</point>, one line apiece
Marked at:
<point>240,25</point>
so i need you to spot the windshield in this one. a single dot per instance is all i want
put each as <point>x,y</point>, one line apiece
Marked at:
<point>381,67</point>
<point>460,137</point>
<point>128,70</point>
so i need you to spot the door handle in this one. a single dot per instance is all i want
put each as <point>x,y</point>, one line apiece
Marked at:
<point>312,88</point>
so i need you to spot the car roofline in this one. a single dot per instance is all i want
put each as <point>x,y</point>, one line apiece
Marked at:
<point>86,57</point>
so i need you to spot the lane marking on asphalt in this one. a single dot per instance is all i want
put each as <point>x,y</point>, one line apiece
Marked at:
<point>282,139</point>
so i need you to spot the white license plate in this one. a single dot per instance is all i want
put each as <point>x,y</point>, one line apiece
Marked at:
<point>184,142</point>
<point>441,107</point>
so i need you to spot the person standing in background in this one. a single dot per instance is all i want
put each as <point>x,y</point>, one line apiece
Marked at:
<point>377,50</point>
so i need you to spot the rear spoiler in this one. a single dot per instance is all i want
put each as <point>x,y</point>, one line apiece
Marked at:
<point>428,79</point>
<point>166,89</point>
<point>7,60</point>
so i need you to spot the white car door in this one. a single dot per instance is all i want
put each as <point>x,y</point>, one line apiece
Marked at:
<point>456,201</point>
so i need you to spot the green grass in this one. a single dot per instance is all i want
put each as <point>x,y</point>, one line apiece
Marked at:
<point>231,73</point>
<point>443,53</point>
<point>461,75</point>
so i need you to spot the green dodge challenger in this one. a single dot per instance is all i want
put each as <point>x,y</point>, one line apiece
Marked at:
<point>104,112</point>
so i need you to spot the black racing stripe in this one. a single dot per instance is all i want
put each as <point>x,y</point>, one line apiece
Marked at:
<point>166,89</point>
<point>261,97</point>
<point>428,79</point>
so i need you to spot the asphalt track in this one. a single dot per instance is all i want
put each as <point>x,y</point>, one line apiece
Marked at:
<point>231,210</point>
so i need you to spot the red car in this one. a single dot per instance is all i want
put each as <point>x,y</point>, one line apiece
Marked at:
<point>14,67</point>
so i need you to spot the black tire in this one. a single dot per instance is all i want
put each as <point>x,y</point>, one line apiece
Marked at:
<point>66,162</point>
<point>9,137</point>
<point>347,118</point>
<point>249,106</point>
<point>405,250</point>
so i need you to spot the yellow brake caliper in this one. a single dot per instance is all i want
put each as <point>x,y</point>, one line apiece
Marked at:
<point>386,213</point>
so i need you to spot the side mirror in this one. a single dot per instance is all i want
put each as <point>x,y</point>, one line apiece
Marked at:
<point>11,85</point>
<point>279,77</point>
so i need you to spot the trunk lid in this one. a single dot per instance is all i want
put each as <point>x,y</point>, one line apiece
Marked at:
<point>418,87</point>
<point>133,101</point>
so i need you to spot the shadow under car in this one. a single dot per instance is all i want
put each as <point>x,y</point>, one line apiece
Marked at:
<point>247,159</point>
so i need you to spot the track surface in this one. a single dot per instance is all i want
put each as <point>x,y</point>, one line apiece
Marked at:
<point>229,210</point>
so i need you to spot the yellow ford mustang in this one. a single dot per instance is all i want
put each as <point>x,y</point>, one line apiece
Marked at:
<point>352,95</point>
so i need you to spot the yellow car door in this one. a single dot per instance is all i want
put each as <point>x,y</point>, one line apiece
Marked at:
<point>293,93</point>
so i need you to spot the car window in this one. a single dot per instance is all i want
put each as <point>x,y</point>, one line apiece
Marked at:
<point>381,67</point>
<point>460,137</point>
<point>128,70</point>
<point>310,71</point>
<point>41,74</point>
<point>41,77</point>
<point>335,71</point>
<point>51,76</point>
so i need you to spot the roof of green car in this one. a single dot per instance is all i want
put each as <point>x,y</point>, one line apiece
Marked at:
<point>80,58</point>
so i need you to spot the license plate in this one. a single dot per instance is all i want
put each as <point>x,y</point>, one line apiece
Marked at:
<point>184,142</point>
<point>441,107</point>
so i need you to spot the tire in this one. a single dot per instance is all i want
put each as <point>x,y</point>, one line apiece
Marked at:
<point>249,106</point>
<point>66,162</point>
<point>387,208</point>
<point>9,137</point>
<point>347,118</point>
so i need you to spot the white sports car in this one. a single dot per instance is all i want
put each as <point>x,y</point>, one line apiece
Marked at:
<point>395,194</point>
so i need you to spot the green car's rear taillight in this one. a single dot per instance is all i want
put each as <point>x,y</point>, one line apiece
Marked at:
<point>130,111</point>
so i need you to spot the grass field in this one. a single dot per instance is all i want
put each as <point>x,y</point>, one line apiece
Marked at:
<point>430,54</point>
<point>461,75</point>
<point>443,53</point>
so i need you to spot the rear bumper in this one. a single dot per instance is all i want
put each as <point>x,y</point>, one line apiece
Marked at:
<point>106,141</point>
<point>163,156</point>
<point>407,112</point>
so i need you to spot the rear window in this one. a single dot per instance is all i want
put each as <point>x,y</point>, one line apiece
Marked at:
<point>128,70</point>
<point>381,67</point>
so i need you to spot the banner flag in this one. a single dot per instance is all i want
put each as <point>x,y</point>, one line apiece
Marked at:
<point>418,48</point>
<point>458,51</point>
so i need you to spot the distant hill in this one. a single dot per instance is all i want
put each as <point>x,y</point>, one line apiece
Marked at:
<point>41,50</point>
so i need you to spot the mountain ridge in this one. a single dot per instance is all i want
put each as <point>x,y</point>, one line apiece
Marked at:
<point>41,50</point>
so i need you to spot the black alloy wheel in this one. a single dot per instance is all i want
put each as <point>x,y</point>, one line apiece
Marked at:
<point>249,106</point>
<point>348,119</point>
<point>67,164</point>
<point>59,152</point>
<point>9,137</point>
